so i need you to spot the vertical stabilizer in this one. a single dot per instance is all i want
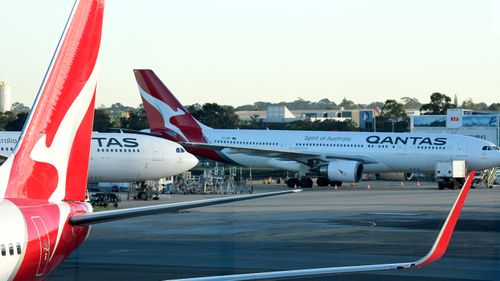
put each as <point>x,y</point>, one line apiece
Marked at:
<point>51,159</point>
<point>165,113</point>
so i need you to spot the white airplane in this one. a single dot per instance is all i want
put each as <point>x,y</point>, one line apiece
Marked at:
<point>43,211</point>
<point>125,157</point>
<point>333,156</point>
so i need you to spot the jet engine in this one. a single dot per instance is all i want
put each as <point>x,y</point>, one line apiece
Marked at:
<point>395,176</point>
<point>342,170</point>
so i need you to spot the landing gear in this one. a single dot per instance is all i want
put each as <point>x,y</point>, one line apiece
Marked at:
<point>335,183</point>
<point>322,181</point>
<point>306,182</point>
<point>452,183</point>
<point>292,183</point>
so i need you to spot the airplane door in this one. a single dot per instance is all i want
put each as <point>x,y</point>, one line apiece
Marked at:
<point>44,240</point>
<point>461,148</point>
<point>157,152</point>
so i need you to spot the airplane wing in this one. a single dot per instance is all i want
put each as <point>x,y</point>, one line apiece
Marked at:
<point>286,154</point>
<point>104,216</point>
<point>436,252</point>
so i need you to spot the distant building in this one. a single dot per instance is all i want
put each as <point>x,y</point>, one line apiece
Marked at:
<point>281,114</point>
<point>5,97</point>
<point>482,125</point>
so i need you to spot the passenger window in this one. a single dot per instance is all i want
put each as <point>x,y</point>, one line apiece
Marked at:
<point>18,247</point>
<point>2,248</point>
<point>11,249</point>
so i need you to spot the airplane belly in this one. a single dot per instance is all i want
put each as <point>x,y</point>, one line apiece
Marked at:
<point>250,161</point>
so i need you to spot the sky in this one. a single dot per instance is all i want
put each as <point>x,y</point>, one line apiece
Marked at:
<point>238,52</point>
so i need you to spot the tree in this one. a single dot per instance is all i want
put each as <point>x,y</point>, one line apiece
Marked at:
<point>17,123</point>
<point>469,104</point>
<point>102,120</point>
<point>134,120</point>
<point>5,118</point>
<point>347,104</point>
<point>393,113</point>
<point>411,103</point>
<point>494,106</point>
<point>375,104</point>
<point>214,115</point>
<point>18,107</point>
<point>439,104</point>
<point>393,110</point>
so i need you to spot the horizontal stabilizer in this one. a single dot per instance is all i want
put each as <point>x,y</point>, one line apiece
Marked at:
<point>436,252</point>
<point>93,218</point>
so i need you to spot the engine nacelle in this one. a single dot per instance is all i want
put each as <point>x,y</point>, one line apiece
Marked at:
<point>395,176</point>
<point>342,170</point>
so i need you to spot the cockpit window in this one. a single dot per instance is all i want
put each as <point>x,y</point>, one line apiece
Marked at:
<point>491,147</point>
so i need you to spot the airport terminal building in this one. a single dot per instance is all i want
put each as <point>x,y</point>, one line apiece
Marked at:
<point>460,121</point>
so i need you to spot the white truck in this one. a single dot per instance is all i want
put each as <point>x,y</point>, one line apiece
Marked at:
<point>451,174</point>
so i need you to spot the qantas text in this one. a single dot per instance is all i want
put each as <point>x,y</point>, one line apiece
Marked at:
<point>406,140</point>
<point>108,142</point>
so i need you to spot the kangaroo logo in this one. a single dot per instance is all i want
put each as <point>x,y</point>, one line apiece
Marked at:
<point>166,112</point>
<point>59,152</point>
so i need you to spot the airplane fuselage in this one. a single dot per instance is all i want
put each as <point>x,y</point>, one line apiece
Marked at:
<point>39,236</point>
<point>125,157</point>
<point>384,152</point>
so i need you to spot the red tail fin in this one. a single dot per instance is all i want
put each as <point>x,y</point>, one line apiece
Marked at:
<point>51,159</point>
<point>165,113</point>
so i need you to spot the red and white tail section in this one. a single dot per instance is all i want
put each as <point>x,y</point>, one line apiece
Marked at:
<point>165,113</point>
<point>50,161</point>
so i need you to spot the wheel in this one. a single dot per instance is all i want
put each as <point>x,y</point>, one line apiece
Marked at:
<point>322,181</point>
<point>306,182</point>
<point>451,185</point>
<point>292,183</point>
<point>142,195</point>
<point>440,185</point>
<point>336,183</point>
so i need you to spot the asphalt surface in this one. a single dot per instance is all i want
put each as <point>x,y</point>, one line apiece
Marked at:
<point>320,227</point>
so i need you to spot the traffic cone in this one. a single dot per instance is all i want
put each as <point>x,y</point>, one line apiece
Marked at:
<point>402,184</point>
<point>418,184</point>
<point>369,187</point>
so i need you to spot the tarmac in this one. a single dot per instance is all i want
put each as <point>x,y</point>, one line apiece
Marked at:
<point>319,227</point>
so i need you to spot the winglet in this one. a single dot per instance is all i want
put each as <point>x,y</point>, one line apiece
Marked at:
<point>444,236</point>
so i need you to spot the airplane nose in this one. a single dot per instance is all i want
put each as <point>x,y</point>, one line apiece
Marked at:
<point>190,160</point>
